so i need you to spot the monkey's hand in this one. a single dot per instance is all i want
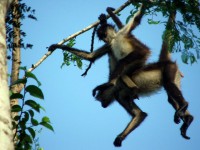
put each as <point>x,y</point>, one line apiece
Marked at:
<point>101,88</point>
<point>110,9</point>
<point>53,47</point>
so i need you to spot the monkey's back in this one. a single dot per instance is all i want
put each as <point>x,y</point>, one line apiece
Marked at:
<point>151,81</point>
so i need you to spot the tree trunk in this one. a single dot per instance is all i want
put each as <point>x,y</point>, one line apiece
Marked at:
<point>16,54</point>
<point>6,133</point>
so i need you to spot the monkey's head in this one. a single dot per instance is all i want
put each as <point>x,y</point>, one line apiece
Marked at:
<point>105,31</point>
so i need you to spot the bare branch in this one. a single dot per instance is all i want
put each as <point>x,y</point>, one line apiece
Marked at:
<point>76,34</point>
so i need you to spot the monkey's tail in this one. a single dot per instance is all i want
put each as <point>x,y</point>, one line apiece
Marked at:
<point>164,54</point>
<point>168,38</point>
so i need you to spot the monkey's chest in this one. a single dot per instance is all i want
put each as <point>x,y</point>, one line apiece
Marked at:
<point>121,47</point>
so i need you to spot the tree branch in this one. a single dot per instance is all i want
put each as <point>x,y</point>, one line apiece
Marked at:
<point>76,34</point>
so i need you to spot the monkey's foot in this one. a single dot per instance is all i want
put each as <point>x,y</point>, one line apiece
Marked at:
<point>118,141</point>
<point>177,119</point>
<point>180,113</point>
<point>187,121</point>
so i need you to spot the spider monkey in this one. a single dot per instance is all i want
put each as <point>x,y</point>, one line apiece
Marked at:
<point>126,53</point>
<point>149,79</point>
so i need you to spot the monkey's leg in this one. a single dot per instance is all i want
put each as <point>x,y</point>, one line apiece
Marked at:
<point>127,80</point>
<point>126,67</point>
<point>173,91</point>
<point>137,117</point>
<point>131,67</point>
<point>176,94</point>
<point>187,118</point>
<point>176,107</point>
<point>176,98</point>
<point>128,89</point>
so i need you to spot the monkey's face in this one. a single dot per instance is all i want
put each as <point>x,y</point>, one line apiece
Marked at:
<point>106,33</point>
<point>110,34</point>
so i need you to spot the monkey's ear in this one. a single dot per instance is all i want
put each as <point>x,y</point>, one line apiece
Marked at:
<point>103,19</point>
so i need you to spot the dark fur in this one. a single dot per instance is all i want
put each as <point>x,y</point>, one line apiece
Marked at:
<point>135,59</point>
<point>114,17</point>
<point>132,62</point>
<point>167,75</point>
<point>107,94</point>
<point>165,69</point>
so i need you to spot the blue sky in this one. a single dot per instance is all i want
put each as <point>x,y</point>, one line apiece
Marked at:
<point>80,123</point>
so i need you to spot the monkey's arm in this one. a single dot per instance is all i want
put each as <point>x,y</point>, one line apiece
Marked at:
<point>114,17</point>
<point>83,54</point>
<point>136,20</point>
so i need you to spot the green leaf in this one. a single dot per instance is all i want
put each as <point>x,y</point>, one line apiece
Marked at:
<point>198,53</point>
<point>22,125</point>
<point>150,21</point>
<point>31,75</point>
<point>20,81</point>
<point>192,59</point>
<point>34,122</point>
<point>16,108</point>
<point>33,105</point>
<point>182,27</point>
<point>46,119</point>
<point>35,91</point>
<point>27,139</point>
<point>42,108</point>
<point>118,14</point>
<point>26,117</point>
<point>31,112</point>
<point>71,42</point>
<point>79,63</point>
<point>22,68</point>
<point>184,58</point>
<point>16,118</point>
<point>47,125</point>
<point>16,96</point>
<point>32,17</point>
<point>128,18</point>
<point>32,132</point>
